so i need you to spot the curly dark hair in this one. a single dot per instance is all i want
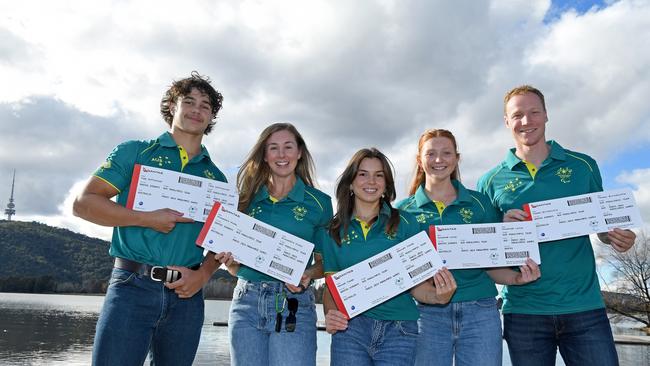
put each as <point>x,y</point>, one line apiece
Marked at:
<point>184,87</point>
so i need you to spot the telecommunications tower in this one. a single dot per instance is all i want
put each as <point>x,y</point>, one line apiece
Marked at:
<point>9,211</point>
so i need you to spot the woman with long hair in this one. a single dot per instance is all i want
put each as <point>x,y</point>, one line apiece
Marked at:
<point>270,322</point>
<point>466,331</point>
<point>366,224</point>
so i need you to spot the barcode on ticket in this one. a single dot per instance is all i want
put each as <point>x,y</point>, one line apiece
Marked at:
<point>522,254</point>
<point>282,268</point>
<point>190,181</point>
<point>380,260</point>
<point>579,201</point>
<point>420,269</point>
<point>484,230</point>
<point>618,220</point>
<point>266,231</point>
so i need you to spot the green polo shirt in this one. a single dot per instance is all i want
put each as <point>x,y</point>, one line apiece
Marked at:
<point>469,207</point>
<point>303,213</point>
<point>355,248</point>
<point>569,283</point>
<point>146,245</point>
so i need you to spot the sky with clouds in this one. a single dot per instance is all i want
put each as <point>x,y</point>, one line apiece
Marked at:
<point>80,77</point>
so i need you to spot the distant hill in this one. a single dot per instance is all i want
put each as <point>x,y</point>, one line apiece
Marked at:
<point>34,250</point>
<point>35,257</point>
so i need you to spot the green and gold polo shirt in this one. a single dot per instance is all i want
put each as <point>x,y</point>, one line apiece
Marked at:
<point>469,207</point>
<point>146,245</point>
<point>569,283</point>
<point>356,247</point>
<point>303,213</point>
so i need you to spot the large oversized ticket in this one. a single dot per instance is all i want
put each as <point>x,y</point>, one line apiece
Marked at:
<point>584,214</point>
<point>256,244</point>
<point>485,245</point>
<point>384,276</point>
<point>155,188</point>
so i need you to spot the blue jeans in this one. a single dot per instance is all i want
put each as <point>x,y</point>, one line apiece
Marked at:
<point>583,338</point>
<point>369,341</point>
<point>140,315</point>
<point>251,326</point>
<point>461,333</point>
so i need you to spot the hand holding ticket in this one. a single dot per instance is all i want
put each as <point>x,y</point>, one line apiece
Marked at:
<point>384,275</point>
<point>585,214</point>
<point>155,188</point>
<point>256,244</point>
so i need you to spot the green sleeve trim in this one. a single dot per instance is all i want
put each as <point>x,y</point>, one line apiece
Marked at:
<point>479,202</point>
<point>489,181</point>
<point>109,183</point>
<point>150,147</point>
<point>315,199</point>
<point>403,218</point>
<point>408,205</point>
<point>583,160</point>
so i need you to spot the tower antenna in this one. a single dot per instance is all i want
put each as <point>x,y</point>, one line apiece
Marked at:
<point>10,210</point>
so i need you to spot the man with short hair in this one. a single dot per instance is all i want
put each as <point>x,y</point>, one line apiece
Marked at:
<point>139,313</point>
<point>563,308</point>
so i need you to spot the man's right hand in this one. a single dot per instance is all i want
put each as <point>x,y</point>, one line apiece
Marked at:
<point>164,220</point>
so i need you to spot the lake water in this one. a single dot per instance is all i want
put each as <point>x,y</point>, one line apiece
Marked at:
<point>40,329</point>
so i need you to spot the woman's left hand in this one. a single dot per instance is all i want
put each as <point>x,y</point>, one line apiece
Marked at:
<point>445,285</point>
<point>529,272</point>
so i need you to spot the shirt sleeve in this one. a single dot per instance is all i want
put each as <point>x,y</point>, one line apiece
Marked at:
<point>491,212</point>
<point>320,232</point>
<point>329,253</point>
<point>483,188</point>
<point>118,167</point>
<point>597,181</point>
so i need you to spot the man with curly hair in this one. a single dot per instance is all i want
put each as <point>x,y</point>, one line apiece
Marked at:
<point>140,314</point>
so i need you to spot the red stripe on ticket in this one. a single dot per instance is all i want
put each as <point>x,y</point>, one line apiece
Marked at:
<point>134,185</point>
<point>526,208</point>
<point>432,236</point>
<point>336,296</point>
<point>208,223</point>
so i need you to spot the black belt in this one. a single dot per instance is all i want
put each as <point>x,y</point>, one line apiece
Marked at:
<point>157,273</point>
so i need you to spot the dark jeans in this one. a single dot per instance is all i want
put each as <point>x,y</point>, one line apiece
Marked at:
<point>584,338</point>
<point>141,315</point>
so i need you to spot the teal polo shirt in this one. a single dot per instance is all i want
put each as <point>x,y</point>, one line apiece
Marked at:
<point>303,213</point>
<point>146,245</point>
<point>569,283</point>
<point>355,248</point>
<point>469,207</point>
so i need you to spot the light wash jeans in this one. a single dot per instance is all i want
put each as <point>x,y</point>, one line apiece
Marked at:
<point>584,338</point>
<point>460,333</point>
<point>369,341</point>
<point>251,326</point>
<point>141,315</point>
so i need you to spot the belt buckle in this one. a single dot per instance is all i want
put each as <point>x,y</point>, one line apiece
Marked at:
<point>153,271</point>
<point>164,274</point>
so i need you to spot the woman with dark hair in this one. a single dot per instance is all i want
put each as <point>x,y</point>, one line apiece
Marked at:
<point>466,331</point>
<point>366,224</point>
<point>270,322</point>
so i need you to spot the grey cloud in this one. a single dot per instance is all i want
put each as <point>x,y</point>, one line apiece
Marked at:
<point>14,50</point>
<point>51,145</point>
